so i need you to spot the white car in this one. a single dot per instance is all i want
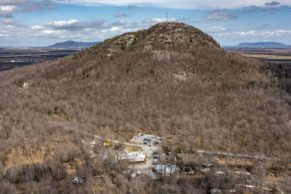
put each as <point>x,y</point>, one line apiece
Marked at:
<point>155,161</point>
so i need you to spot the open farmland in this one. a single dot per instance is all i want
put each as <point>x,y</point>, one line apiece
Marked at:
<point>269,55</point>
<point>12,58</point>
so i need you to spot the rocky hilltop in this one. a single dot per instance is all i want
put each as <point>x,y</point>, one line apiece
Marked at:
<point>169,36</point>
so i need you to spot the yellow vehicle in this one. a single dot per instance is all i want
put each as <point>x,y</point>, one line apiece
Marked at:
<point>106,143</point>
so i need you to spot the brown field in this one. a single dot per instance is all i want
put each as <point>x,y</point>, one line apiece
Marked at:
<point>270,55</point>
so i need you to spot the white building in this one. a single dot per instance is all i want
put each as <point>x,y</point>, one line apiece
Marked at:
<point>131,156</point>
<point>167,169</point>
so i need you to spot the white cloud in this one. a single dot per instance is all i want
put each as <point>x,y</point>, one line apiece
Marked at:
<point>185,4</point>
<point>268,33</point>
<point>158,20</point>
<point>10,2</point>
<point>218,15</point>
<point>3,33</point>
<point>7,9</point>
<point>6,21</point>
<point>120,15</point>
<point>216,29</point>
<point>73,30</point>
<point>247,33</point>
<point>52,32</point>
<point>114,29</point>
<point>277,33</point>
<point>37,27</point>
<point>151,21</point>
<point>63,23</point>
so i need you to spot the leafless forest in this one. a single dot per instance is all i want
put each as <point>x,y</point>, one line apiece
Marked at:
<point>171,80</point>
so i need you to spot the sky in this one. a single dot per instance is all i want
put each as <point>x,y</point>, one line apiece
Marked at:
<point>44,22</point>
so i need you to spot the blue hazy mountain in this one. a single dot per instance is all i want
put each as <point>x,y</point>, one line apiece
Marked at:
<point>72,45</point>
<point>263,45</point>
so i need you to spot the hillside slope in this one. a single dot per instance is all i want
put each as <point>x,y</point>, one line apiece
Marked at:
<point>171,80</point>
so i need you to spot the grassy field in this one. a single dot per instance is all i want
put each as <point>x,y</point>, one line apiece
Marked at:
<point>269,56</point>
<point>272,55</point>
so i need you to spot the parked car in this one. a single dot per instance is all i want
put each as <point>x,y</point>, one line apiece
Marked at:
<point>155,161</point>
<point>156,155</point>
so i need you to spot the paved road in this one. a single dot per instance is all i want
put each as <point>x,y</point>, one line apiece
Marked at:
<point>254,157</point>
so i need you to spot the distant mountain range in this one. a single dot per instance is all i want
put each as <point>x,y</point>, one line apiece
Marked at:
<point>263,45</point>
<point>72,45</point>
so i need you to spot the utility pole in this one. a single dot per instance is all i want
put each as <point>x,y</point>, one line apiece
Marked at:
<point>166,16</point>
